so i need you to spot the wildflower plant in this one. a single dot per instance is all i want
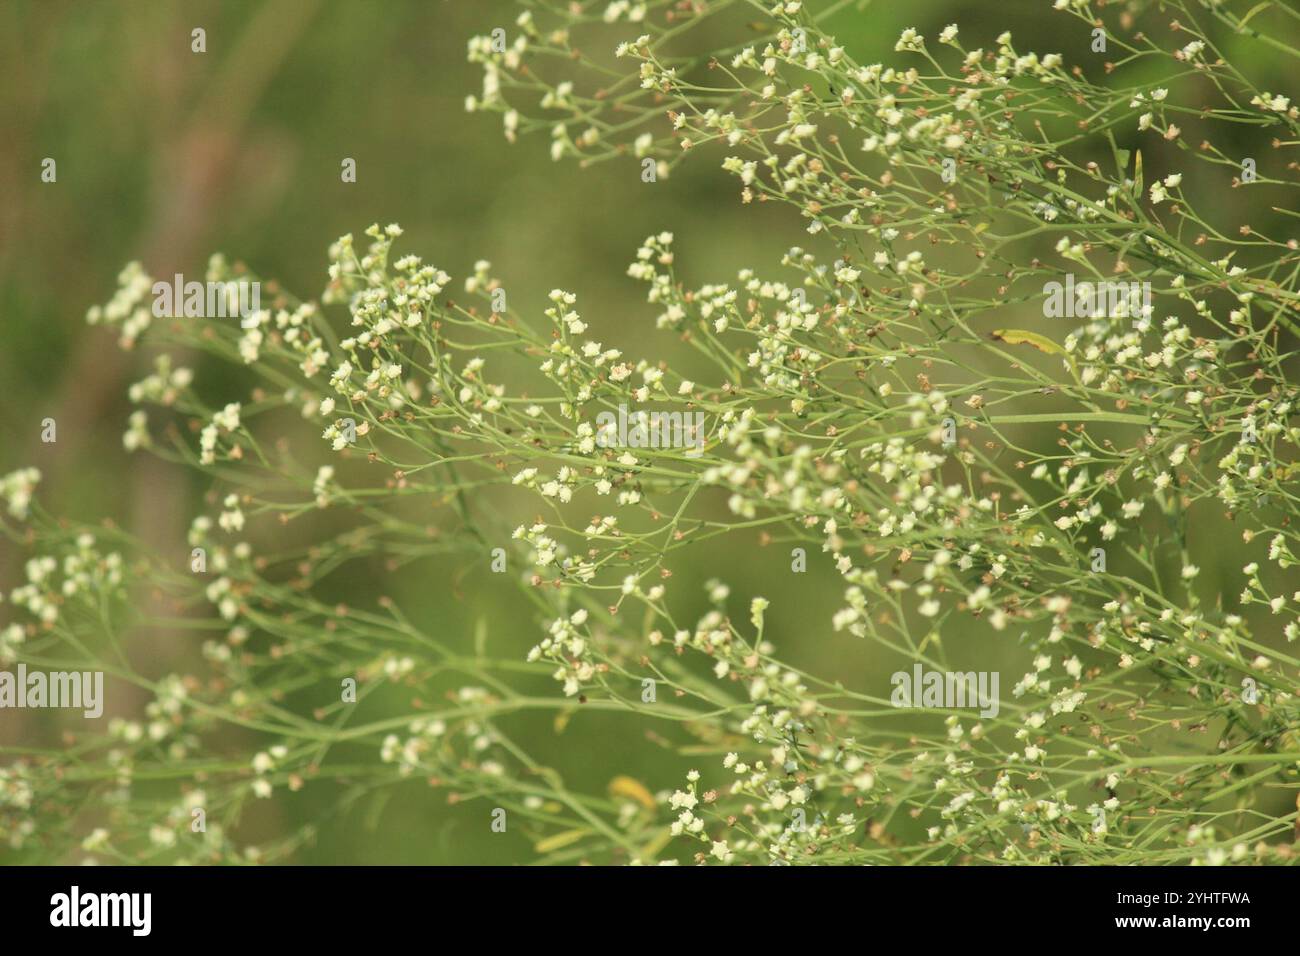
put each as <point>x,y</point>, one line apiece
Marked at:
<point>1029,500</point>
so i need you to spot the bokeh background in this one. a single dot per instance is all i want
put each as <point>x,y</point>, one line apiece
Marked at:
<point>166,155</point>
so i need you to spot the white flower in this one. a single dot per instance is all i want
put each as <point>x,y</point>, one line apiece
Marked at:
<point>909,40</point>
<point>228,417</point>
<point>682,800</point>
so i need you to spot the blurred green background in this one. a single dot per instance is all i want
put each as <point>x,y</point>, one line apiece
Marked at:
<point>166,155</point>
